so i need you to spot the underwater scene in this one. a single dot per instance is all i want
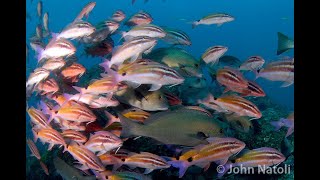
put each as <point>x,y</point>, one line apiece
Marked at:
<point>159,89</point>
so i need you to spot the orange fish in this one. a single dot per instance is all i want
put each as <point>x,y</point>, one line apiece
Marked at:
<point>218,150</point>
<point>48,86</point>
<point>74,136</point>
<point>73,72</point>
<point>136,114</point>
<point>50,136</point>
<point>38,118</point>
<point>230,77</point>
<point>70,125</point>
<point>232,104</point>
<point>253,89</point>
<point>87,158</point>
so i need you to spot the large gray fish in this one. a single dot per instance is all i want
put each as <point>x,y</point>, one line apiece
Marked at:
<point>75,30</point>
<point>103,30</point>
<point>180,127</point>
<point>284,43</point>
<point>85,11</point>
<point>218,19</point>
<point>132,49</point>
<point>143,99</point>
<point>176,37</point>
<point>68,172</point>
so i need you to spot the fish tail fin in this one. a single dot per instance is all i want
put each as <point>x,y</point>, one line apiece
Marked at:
<point>194,24</point>
<point>129,127</point>
<point>256,73</point>
<point>35,135</point>
<point>110,72</point>
<point>39,51</point>
<point>182,165</point>
<point>284,43</point>
<point>290,131</point>
<point>80,90</point>
<point>277,124</point>
<point>111,118</point>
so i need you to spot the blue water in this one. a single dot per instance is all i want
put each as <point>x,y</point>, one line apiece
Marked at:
<point>254,31</point>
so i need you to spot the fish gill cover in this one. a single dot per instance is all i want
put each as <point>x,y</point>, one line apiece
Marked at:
<point>159,89</point>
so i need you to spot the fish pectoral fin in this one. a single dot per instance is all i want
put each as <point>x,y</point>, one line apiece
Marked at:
<point>218,25</point>
<point>135,57</point>
<point>134,85</point>
<point>147,171</point>
<point>287,83</point>
<point>155,87</point>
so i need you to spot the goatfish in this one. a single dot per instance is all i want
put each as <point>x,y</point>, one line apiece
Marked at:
<point>44,168</point>
<point>264,156</point>
<point>146,160</point>
<point>38,118</point>
<point>212,54</point>
<point>232,104</point>
<point>118,16</point>
<point>253,89</point>
<point>75,30</point>
<point>284,43</point>
<point>144,71</point>
<point>139,18</point>
<point>38,75</point>
<point>218,150</point>
<point>54,64</point>
<point>49,135</point>
<point>149,30</point>
<point>278,71</point>
<point>87,158</point>
<point>93,100</point>
<point>231,78</point>
<point>176,37</point>
<point>218,19</point>
<point>33,148</point>
<point>180,127</point>
<point>143,99</point>
<point>73,72</point>
<point>287,122</point>
<point>252,64</point>
<point>74,136</point>
<point>68,172</point>
<point>85,11</point>
<point>178,59</point>
<point>102,142</point>
<point>48,86</point>
<point>103,30</point>
<point>56,48</point>
<point>102,86</point>
<point>132,49</point>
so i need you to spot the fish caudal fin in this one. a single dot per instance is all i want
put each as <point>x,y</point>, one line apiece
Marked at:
<point>194,24</point>
<point>111,119</point>
<point>182,165</point>
<point>284,43</point>
<point>129,127</point>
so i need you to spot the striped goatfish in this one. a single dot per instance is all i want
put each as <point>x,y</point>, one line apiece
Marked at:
<point>74,136</point>
<point>253,89</point>
<point>212,54</point>
<point>75,30</point>
<point>144,71</point>
<point>218,19</point>
<point>37,76</point>
<point>56,48</point>
<point>49,135</point>
<point>93,100</point>
<point>139,18</point>
<point>232,104</point>
<point>73,72</point>
<point>118,16</point>
<point>102,142</point>
<point>48,86</point>
<point>218,150</point>
<point>149,30</point>
<point>33,148</point>
<point>176,37</point>
<point>54,64</point>
<point>87,158</point>
<point>278,71</point>
<point>73,112</point>
<point>231,78</point>
<point>146,160</point>
<point>252,64</point>
<point>132,49</point>
<point>85,11</point>
<point>264,156</point>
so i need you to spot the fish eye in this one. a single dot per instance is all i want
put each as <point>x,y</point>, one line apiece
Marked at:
<point>133,110</point>
<point>196,65</point>
<point>160,97</point>
<point>202,135</point>
<point>189,159</point>
<point>221,131</point>
<point>123,74</point>
<point>198,80</point>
